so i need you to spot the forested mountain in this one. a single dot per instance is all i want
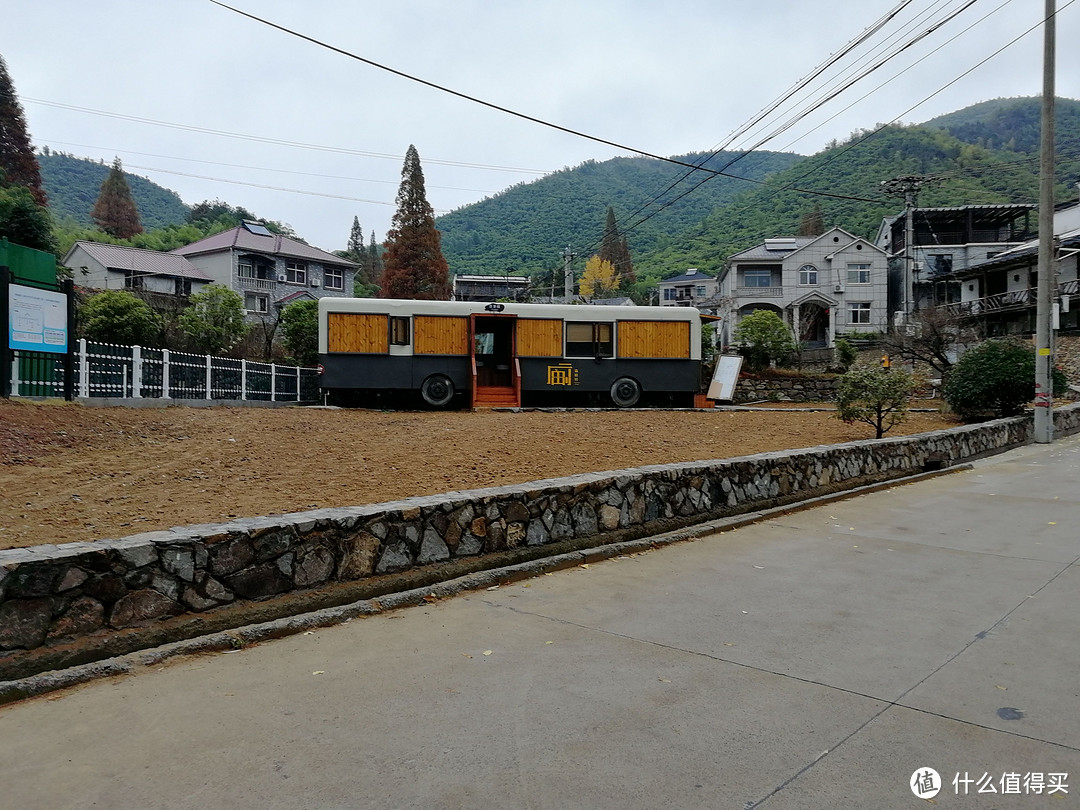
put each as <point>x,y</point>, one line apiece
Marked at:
<point>73,185</point>
<point>528,225</point>
<point>1012,123</point>
<point>982,154</point>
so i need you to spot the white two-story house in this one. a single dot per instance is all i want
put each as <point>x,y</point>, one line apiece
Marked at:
<point>821,286</point>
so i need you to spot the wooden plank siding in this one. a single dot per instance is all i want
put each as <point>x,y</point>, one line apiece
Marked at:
<point>667,339</point>
<point>356,333</point>
<point>440,335</point>
<point>539,337</point>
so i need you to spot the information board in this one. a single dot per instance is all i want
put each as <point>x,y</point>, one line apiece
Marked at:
<point>37,320</point>
<point>722,386</point>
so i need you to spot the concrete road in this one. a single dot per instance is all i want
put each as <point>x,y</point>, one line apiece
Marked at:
<point>816,660</point>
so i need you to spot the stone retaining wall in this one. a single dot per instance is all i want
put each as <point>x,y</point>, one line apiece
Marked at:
<point>70,604</point>
<point>786,389</point>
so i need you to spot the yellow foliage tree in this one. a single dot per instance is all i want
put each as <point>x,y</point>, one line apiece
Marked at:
<point>599,280</point>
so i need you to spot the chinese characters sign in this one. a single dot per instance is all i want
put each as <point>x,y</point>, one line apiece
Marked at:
<point>37,320</point>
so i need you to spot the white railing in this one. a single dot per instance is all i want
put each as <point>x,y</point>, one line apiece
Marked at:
<point>105,370</point>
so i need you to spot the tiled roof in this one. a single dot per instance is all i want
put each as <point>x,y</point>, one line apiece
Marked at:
<point>688,277</point>
<point>239,238</point>
<point>762,251</point>
<point>116,257</point>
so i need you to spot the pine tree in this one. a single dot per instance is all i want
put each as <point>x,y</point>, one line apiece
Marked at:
<point>615,250</point>
<point>18,165</point>
<point>375,264</point>
<point>356,251</point>
<point>413,264</point>
<point>115,212</point>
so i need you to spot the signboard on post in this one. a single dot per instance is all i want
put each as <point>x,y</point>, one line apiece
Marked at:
<point>726,375</point>
<point>37,320</point>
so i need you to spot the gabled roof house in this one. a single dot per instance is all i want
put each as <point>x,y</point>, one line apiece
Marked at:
<point>267,269</point>
<point>821,286</point>
<point>114,267</point>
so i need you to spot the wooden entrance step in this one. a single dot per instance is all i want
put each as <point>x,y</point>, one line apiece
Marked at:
<point>491,396</point>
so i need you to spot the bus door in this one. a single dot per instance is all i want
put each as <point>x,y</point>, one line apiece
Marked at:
<point>493,350</point>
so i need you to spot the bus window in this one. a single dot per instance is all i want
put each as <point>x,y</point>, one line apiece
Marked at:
<point>399,331</point>
<point>589,340</point>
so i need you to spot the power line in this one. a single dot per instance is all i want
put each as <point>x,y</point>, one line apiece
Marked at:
<point>274,141</point>
<point>467,97</point>
<point>256,168</point>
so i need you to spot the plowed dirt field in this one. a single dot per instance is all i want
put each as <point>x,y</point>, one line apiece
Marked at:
<point>70,472</point>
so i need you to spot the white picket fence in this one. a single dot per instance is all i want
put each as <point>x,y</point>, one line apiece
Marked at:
<point>105,370</point>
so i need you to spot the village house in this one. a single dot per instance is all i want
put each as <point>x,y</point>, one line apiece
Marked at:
<point>822,286</point>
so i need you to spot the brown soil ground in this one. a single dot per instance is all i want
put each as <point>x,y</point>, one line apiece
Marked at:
<point>69,472</point>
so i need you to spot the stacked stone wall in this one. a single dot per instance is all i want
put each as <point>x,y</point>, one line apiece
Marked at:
<point>785,389</point>
<point>69,604</point>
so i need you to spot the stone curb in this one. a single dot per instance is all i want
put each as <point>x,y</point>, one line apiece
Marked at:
<point>241,637</point>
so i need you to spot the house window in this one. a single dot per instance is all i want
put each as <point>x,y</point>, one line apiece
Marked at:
<point>245,269</point>
<point>295,273</point>
<point>256,303</point>
<point>939,262</point>
<point>183,286</point>
<point>858,273</point>
<point>757,278</point>
<point>334,278</point>
<point>808,275</point>
<point>590,340</point>
<point>859,312</point>
<point>133,279</point>
<point>699,292</point>
<point>399,331</point>
<point>669,294</point>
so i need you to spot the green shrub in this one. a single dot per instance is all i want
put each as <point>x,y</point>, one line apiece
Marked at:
<point>878,397</point>
<point>846,354</point>
<point>764,338</point>
<point>995,378</point>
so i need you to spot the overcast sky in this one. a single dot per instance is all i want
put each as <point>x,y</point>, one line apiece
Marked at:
<point>664,78</point>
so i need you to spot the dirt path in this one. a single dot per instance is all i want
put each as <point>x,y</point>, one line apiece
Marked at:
<point>69,472</point>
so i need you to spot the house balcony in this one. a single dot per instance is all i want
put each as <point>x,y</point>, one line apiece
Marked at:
<point>759,292</point>
<point>999,302</point>
<point>247,283</point>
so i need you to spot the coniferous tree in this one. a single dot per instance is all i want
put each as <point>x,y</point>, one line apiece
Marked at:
<point>115,212</point>
<point>413,264</point>
<point>375,263</point>
<point>615,250</point>
<point>18,164</point>
<point>356,251</point>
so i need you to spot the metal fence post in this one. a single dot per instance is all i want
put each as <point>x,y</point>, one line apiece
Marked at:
<point>14,373</point>
<point>84,370</point>
<point>209,378</point>
<point>136,372</point>
<point>298,383</point>
<point>243,379</point>
<point>273,383</point>
<point>165,374</point>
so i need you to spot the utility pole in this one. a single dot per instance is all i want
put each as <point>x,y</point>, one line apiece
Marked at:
<point>908,187</point>
<point>568,272</point>
<point>1044,331</point>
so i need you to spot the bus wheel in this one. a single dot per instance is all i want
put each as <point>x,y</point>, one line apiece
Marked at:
<point>625,392</point>
<point>437,390</point>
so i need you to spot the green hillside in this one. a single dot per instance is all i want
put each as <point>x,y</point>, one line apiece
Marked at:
<point>1011,123</point>
<point>73,185</point>
<point>528,225</point>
